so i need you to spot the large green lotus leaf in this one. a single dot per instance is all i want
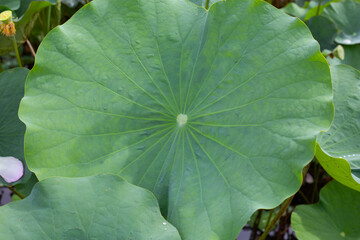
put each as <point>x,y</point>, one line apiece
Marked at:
<point>334,217</point>
<point>339,148</point>
<point>251,80</point>
<point>96,207</point>
<point>323,30</point>
<point>11,128</point>
<point>345,14</point>
<point>23,25</point>
<point>352,57</point>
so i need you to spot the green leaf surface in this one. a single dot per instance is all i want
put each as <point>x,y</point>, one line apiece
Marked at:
<point>323,30</point>
<point>203,3</point>
<point>345,15</point>
<point>251,80</point>
<point>339,147</point>
<point>96,207</point>
<point>23,26</point>
<point>334,217</point>
<point>11,128</point>
<point>11,4</point>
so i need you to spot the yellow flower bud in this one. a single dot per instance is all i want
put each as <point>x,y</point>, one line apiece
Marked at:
<point>8,29</point>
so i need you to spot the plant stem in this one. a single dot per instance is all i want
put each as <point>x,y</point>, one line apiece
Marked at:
<point>318,8</point>
<point>58,12</point>
<point>276,218</point>
<point>316,181</point>
<point>31,48</point>
<point>288,214</point>
<point>87,1</point>
<point>48,20</point>
<point>280,228</point>
<point>304,197</point>
<point>1,68</point>
<point>16,192</point>
<point>269,218</point>
<point>207,4</point>
<point>17,52</point>
<point>256,225</point>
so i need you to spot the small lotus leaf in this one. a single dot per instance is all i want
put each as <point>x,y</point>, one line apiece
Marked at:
<point>339,147</point>
<point>334,217</point>
<point>96,207</point>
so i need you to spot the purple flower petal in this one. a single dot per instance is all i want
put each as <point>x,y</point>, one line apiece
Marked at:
<point>11,169</point>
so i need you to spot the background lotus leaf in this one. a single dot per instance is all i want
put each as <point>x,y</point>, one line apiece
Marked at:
<point>323,30</point>
<point>9,4</point>
<point>11,128</point>
<point>251,80</point>
<point>339,147</point>
<point>334,217</point>
<point>97,207</point>
<point>345,15</point>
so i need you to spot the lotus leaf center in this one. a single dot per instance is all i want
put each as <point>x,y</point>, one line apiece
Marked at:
<point>181,119</point>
